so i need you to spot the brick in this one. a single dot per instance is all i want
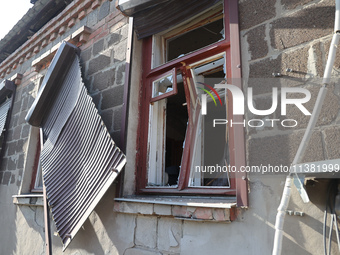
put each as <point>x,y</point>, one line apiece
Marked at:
<point>258,47</point>
<point>181,211</point>
<point>36,49</point>
<point>203,214</point>
<point>218,214</point>
<point>62,30</point>
<point>98,64</point>
<point>103,80</point>
<point>98,47</point>
<point>82,15</point>
<point>95,5</point>
<point>146,238</point>
<point>280,149</point>
<point>104,10</point>
<point>291,30</point>
<point>6,178</point>
<point>332,141</point>
<point>253,12</point>
<point>1,175</point>
<point>44,43</point>
<point>71,23</point>
<point>53,36</point>
<point>107,118</point>
<point>112,97</point>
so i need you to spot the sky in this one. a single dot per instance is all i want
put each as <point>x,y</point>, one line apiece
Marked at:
<point>11,11</point>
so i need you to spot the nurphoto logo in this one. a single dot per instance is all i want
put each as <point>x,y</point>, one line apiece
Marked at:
<point>239,105</point>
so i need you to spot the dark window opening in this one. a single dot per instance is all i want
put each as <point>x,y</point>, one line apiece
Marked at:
<point>195,39</point>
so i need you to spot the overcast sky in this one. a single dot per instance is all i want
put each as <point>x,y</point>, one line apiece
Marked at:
<point>11,11</point>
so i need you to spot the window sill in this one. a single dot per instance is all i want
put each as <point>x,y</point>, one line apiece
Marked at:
<point>213,209</point>
<point>28,199</point>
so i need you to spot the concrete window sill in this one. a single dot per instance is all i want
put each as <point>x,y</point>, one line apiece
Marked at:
<point>185,208</point>
<point>28,199</point>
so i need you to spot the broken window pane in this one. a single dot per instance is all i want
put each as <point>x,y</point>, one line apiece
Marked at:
<point>195,39</point>
<point>167,129</point>
<point>210,156</point>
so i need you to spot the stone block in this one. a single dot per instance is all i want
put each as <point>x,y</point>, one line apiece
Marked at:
<point>292,4</point>
<point>104,10</point>
<point>162,209</point>
<point>98,47</point>
<point>303,26</point>
<point>203,214</point>
<point>114,39</point>
<point>98,63</point>
<point>120,74</point>
<point>117,119</point>
<point>219,214</point>
<point>169,234</point>
<point>112,97</point>
<point>328,113</point>
<point>258,47</point>
<point>21,161</point>
<point>17,133</point>
<point>280,150</point>
<point>332,141</point>
<point>107,118</point>
<point>140,251</point>
<point>6,178</point>
<point>11,148</point>
<point>181,211</point>
<point>252,13</point>
<point>11,164</point>
<point>146,231</point>
<point>25,131</point>
<point>103,80</point>
<point>12,178</point>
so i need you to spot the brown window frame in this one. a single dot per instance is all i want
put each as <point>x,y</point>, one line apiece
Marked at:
<point>230,47</point>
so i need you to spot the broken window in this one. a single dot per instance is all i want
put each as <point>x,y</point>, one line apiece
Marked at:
<point>178,142</point>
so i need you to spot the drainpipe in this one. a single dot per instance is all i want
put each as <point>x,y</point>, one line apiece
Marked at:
<point>281,211</point>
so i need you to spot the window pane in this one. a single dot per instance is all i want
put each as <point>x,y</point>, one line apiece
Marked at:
<point>167,129</point>
<point>195,39</point>
<point>210,156</point>
<point>162,86</point>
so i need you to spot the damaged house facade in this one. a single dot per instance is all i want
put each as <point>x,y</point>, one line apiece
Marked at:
<point>168,127</point>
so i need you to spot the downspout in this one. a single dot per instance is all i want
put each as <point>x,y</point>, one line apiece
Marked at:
<point>281,211</point>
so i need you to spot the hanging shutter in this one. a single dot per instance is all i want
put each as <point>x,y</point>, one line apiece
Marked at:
<point>79,159</point>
